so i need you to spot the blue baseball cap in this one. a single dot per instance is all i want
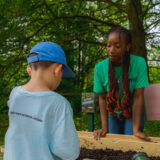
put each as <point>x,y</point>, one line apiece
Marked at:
<point>49,51</point>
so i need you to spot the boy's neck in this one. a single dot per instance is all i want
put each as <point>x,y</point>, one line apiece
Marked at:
<point>43,79</point>
<point>32,87</point>
<point>36,86</point>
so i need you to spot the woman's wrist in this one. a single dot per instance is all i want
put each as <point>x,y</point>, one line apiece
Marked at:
<point>135,130</point>
<point>105,128</point>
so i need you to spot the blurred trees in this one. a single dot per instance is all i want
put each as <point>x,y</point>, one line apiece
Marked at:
<point>80,27</point>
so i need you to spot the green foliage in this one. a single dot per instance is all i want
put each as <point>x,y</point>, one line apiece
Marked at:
<point>3,126</point>
<point>154,62</point>
<point>80,27</point>
<point>154,75</point>
<point>152,128</point>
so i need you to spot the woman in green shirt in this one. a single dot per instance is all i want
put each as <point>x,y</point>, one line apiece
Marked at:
<point>120,80</point>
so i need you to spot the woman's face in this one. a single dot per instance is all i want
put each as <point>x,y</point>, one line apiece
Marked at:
<point>116,47</point>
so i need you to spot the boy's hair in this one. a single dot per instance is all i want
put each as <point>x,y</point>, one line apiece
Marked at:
<point>38,64</point>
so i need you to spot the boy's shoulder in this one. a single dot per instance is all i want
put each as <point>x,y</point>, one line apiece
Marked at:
<point>50,96</point>
<point>44,102</point>
<point>59,98</point>
<point>14,91</point>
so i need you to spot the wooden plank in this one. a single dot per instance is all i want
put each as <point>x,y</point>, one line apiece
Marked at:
<point>120,142</point>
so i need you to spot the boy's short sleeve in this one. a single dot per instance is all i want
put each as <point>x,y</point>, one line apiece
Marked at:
<point>65,141</point>
<point>12,96</point>
<point>142,75</point>
<point>98,86</point>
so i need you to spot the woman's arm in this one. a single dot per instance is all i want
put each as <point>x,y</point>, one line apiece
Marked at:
<point>138,100</point>
<point>104,117</point>
<point>103,111</point>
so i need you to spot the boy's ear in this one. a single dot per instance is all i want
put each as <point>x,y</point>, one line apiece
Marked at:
<point>29,70</point>
<point>58,68</point>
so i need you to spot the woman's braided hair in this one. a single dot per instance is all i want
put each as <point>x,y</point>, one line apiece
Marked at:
<point>113,96</point>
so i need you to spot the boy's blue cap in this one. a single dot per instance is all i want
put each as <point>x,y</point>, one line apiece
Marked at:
<point>49,51</point>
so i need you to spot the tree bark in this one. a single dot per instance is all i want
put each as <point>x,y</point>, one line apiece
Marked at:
<point>134,10</point>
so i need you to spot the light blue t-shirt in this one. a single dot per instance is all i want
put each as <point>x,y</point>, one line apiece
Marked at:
<point>41,127</point>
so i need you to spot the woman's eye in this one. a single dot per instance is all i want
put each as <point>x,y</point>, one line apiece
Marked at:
<point>117,46</point>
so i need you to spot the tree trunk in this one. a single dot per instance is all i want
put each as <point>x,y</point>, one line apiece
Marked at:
<point>135,17</point>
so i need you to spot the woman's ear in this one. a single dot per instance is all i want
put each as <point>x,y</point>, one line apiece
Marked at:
<point>128,47</point>
<point>29,70</point>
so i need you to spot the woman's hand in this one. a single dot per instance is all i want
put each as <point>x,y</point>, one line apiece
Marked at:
<point>99,133</point>
<point>141,135</point>
<point>137,112</point>
<point>104,117</point>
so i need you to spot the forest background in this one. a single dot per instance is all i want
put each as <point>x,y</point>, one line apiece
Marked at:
<point>80,27</point>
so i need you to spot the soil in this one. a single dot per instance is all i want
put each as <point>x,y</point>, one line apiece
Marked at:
<point>108,154</point>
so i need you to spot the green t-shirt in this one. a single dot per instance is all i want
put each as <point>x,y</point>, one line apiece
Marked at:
<point>138,77</point>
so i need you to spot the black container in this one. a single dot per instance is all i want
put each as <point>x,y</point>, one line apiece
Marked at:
<point>140,156</point>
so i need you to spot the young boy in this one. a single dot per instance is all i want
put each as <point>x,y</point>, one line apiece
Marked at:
<point>40,120</point>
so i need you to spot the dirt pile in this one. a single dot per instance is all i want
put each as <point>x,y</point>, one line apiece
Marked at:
<point>108,154</point>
